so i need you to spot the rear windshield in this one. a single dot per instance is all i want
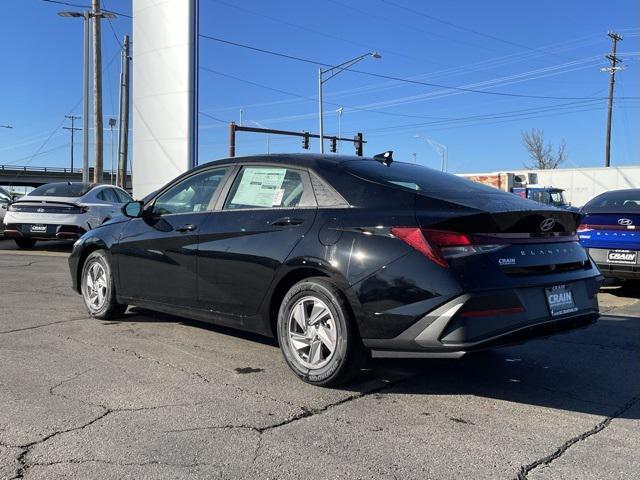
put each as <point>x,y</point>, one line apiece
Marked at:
<point>615,202</point>
<point>414,177</point>
<point>62,190</point>
<point>439,185</point>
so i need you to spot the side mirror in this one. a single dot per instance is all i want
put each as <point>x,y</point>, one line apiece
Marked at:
<point>15,197</point>
<point>133,209</point>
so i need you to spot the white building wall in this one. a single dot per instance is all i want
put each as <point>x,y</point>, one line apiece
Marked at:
<point>582,184</point>
<point>164,91</point>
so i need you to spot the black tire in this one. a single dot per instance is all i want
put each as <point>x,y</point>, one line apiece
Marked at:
<point>24,242</point>
<point>349,355</point>
<point>108,308</point>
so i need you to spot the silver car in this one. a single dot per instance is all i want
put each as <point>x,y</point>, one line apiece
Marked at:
<point>5,200</point>
<point>62,211</point>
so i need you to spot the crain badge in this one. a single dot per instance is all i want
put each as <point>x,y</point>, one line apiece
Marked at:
<point>506,261</point>
<point>547,224</point>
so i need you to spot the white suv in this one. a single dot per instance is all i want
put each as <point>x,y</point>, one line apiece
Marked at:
<point>62,211</point>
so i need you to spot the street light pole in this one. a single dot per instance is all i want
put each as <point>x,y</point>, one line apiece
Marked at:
<point>320,110</point>
<point>333,71</point>
<point>87,15</point>
<point>112,123</point>
<point>85,99</point>
<point>340,110</point>
<point>441,149</point>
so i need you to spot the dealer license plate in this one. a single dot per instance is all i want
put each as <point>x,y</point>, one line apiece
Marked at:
<point>560,300</point>
<point>627,257</point>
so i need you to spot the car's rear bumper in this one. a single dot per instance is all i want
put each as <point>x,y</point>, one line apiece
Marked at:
<point>446,331</point>
<point>615,270</point>
<point>50,232</point>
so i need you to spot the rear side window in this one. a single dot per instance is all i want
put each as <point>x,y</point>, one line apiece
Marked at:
<point>122,195</point>
<point>268,187</point>
<point>108,195</point>
<point>620,201</point>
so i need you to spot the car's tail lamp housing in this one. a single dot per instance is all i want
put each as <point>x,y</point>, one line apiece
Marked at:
<point>439,246</point>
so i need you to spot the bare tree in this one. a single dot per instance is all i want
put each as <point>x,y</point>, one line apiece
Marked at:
<point>541,155</point>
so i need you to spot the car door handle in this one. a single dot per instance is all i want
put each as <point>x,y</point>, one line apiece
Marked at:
<point>287,222</point>
<point>186,228</point>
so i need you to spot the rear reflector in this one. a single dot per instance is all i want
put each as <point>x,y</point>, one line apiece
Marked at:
<point>440,245</point>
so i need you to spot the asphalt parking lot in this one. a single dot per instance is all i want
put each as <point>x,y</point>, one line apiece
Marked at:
<point>155,396</point>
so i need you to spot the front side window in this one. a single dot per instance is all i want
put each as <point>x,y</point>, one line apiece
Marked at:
<point>266,187</point>
<point>193,194</point>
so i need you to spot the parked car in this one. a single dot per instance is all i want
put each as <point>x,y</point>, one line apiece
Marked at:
<point>62,211</point>
<point>341,257</point>
<point>610,231</point>
<point>5,199</point>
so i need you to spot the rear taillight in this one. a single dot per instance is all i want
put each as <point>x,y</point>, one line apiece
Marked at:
<point>439,245</point>
<point>583,227</point>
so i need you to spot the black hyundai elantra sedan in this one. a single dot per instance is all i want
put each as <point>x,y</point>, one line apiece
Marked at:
<point>342,258</point>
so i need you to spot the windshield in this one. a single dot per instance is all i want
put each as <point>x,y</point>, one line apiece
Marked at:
<point>616,202</point>
<point>557,198</point>
<point>61,190</point>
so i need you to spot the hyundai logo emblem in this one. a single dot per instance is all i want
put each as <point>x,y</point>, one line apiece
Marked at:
<point>547,224</point>
<point>40,210</point>
<point>625,221</point>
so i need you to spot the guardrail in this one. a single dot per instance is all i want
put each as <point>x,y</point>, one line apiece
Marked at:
<point>20,168</point>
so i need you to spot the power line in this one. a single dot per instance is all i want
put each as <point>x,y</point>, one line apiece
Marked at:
<point>470,30</point>
<point>213,118</point>
<point>314,99</point>
<point>342,39</point>
<point>388,77</point>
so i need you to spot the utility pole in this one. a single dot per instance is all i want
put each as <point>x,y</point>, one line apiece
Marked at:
<point>123,134</point>
<point>72,129</point>
<point>97,94</point>
<point>612,79</point>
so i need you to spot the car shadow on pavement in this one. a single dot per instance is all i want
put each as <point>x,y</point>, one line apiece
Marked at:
<point>592,371</point>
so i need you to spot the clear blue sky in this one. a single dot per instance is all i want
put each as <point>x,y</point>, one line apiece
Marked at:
<point>545,48</point>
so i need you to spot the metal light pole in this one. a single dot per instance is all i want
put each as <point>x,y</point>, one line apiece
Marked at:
<point>333,71</point>
<point>340,111</point>
<point>87,15</point>
<point>112,123</point>
<point>441,149</point>
<point>268,136</point>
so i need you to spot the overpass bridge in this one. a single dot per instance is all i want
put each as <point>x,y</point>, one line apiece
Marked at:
<point>28,176</point>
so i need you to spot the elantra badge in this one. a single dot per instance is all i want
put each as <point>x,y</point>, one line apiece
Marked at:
<point>625,221</point>
<point>547,224</point>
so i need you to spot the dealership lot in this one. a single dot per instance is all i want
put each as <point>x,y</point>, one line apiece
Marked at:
<point>155,396</point>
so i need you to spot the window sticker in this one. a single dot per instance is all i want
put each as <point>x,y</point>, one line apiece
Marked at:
<point>259,187</point>
<point>277,198</point>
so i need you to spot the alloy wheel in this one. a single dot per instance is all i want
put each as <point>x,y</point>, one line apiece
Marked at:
<point>96,286</point>
<point>312,332</point>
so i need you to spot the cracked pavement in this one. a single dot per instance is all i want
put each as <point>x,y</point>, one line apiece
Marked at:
<point>156,396</point>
